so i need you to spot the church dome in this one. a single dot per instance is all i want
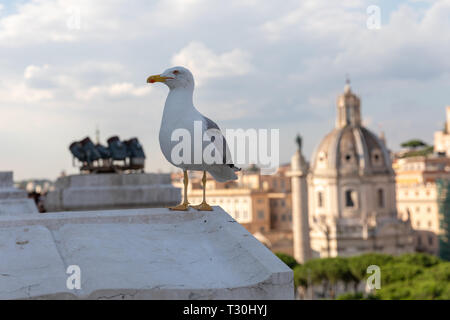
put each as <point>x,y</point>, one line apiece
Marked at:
<point>350,148</point>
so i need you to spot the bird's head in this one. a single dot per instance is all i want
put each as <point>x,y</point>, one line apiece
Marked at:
<point>176,77</point>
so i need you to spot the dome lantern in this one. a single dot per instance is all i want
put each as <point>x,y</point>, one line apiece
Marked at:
<point>348,108</point>
<point>350,149</point>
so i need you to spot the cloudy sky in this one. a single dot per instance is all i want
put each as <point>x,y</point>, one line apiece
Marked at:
<point>69,66</point>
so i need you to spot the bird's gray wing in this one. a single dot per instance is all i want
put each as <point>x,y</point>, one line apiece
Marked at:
<point>209,124</point>
<point>214,131</point>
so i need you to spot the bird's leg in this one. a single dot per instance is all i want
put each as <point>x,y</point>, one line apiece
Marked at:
<point>203,206</point>
<point>184,206</point>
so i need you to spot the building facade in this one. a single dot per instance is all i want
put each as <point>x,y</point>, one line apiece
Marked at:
<point>262,204</point>
<point>351,191</point>
<point>418,197</point>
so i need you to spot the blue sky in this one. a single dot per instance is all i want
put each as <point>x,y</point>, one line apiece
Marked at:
<point>258,64</point>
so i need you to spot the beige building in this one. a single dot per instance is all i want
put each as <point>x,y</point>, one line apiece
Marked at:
<point>262,204</point>
<point>351,191</point>
<point>418,197</point>
<point>442,138</point>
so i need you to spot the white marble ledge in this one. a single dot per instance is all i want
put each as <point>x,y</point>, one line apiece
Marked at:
<point>137,254</point>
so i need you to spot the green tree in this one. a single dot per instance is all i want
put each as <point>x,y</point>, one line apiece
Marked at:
<point>351,296</point>
<point>418,259</point>
<point>439,272</point>
<point>409,276</point>
<point>413,144</point>
<point>358,264</point>
<point>336,270</point>
<point>403,272</point>
<point>287,259</point>
<point>315,273</point>
<point>415,276</point>
<point>301,276</point>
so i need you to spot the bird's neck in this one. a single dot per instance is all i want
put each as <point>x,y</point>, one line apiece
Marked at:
<point>179,100</point>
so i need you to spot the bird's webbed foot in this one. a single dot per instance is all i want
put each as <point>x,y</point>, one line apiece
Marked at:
<point>181,207</point>
<point>203,207</point>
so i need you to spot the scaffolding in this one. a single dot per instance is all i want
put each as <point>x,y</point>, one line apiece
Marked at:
<point>443,187</point>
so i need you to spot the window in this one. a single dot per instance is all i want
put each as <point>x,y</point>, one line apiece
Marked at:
<point>350,198</point>
<point>283,217</point>
<point>320,199</point>
<point>261,214</point>
<point>430,240</point>
<point>429,224</point>
<point>380,198</point>
<point>283,203</point>
<point>376,157</point>
<point>322,156</point>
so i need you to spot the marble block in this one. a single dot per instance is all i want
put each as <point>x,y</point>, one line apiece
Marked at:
<point>137,254</point>
<point>13,200</point>
<point>112,191</point>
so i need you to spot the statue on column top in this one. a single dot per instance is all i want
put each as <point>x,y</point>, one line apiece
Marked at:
<point>299,140</point>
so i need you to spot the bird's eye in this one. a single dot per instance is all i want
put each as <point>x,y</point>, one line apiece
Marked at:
<point>176,72</point>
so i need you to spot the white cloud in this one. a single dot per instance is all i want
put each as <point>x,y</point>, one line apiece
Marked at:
<point>48,82</point>
<point>74,21</point>
<point>114,90</point>
<point>227,110</point>
<point>206,64</point>
<point>322,101</point>
<point>316,18</point>
<point>66,21</point>
<point>36,22</point>
<point>172,13</point>
<point>19,92</point>
<point>32,71</point>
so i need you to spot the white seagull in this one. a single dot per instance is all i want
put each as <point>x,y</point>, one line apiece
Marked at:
<point>180,113</point>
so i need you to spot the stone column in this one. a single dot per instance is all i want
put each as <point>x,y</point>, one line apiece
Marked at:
<point>300,225</point>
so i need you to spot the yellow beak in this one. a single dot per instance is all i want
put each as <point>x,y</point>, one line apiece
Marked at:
<point>157,78</point>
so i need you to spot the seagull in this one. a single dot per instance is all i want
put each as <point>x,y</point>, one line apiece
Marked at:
<point>181,114</point>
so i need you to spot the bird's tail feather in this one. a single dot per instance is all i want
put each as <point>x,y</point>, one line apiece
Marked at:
<point>224,173</point>
<point>235,169</point>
